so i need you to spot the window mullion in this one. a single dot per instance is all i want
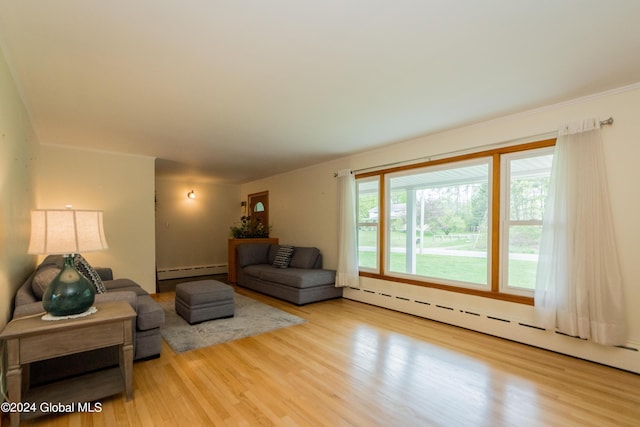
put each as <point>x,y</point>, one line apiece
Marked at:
<point>495,223</point>
<point>382,224</point>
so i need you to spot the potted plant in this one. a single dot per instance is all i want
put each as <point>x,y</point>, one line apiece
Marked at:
<point>249,228</point>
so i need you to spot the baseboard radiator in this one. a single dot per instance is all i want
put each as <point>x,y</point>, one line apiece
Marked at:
<point>191,271</point>
<point>502,325</point>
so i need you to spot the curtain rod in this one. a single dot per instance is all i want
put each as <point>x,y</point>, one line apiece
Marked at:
<point>606,122</point>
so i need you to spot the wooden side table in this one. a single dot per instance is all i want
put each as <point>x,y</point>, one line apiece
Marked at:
<point>30,339</point>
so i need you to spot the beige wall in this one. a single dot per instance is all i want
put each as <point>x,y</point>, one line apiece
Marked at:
<point>193,232</point>
<point>123,187</point>
<point>304,212</point>
<point>302,208</point>
<point>18,150</point>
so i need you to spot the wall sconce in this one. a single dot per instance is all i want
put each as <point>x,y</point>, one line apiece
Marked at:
<point>191,194</point>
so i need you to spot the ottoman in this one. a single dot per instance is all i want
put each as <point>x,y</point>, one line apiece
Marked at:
<point>204,300</point>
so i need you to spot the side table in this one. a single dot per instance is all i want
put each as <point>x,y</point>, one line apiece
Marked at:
<point>30,339</point>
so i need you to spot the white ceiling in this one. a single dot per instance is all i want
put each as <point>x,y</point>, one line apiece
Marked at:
<point>242,89</point>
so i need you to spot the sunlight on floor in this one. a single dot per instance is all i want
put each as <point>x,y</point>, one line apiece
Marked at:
<point>454,385</point>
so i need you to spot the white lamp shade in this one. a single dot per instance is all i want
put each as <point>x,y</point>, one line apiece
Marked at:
<point>66,231</point>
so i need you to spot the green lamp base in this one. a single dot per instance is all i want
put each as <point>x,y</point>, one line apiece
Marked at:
<point>69,292</point>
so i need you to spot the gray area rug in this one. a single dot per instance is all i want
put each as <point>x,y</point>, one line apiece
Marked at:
<point>251,318</point>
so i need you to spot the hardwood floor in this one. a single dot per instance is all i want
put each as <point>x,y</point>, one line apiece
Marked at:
<point>352,364</point>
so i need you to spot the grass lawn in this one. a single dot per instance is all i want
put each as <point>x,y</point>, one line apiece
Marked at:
<point>398,239</point>
<point>458,268</point>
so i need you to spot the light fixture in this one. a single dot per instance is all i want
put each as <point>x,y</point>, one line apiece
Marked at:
<point>191,194</point>
<point>67,232</point>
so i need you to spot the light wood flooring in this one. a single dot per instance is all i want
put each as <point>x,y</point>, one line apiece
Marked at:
<point>352,364</point>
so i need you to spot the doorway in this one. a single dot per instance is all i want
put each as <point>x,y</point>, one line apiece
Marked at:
<point>259,207</point>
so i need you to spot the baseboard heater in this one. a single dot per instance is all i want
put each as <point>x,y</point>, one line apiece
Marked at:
<point>191,271</point>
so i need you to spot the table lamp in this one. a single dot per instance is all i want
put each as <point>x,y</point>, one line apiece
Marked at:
<point>67,232</point>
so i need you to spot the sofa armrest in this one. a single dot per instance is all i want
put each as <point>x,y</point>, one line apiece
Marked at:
<point>25,295</point>
<point>28,309</point>
<point>105,273</point>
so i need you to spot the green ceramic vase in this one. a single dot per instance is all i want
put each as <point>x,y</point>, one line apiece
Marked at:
<point>69,292</point>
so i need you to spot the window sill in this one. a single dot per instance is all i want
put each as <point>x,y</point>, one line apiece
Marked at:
<point>486,294</point>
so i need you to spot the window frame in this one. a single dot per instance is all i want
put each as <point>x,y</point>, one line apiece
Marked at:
<point>495,227</point>
<point>359,224</point>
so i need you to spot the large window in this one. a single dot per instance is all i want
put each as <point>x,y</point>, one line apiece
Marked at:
<point>470,223</point>
<point>437,224</point>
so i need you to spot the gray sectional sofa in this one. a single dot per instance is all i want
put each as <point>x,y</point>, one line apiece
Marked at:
<point>149,319</point>
<point>302,281</point>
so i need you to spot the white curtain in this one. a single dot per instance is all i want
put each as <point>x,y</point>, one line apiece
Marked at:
<point>347,271</point>
<point>579,284</point>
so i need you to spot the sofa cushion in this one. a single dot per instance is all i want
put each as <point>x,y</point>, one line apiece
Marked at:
<point>52,260</point>
<point>106,273</point>
<point>127,296</point>
<point>252,253</point>
<point>124,285</point>
<point>304,257</point>
<point>255,270</point>
<point>43,277</point>
<point>283,256</point>
<point>271,255</point>
<point>298,277</point>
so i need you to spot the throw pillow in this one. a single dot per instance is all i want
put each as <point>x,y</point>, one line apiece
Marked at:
<point>283,256</point>
<point>43,278</point>
<point>90,273</point>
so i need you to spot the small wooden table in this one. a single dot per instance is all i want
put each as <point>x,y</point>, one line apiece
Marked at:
<point>30,339</point>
